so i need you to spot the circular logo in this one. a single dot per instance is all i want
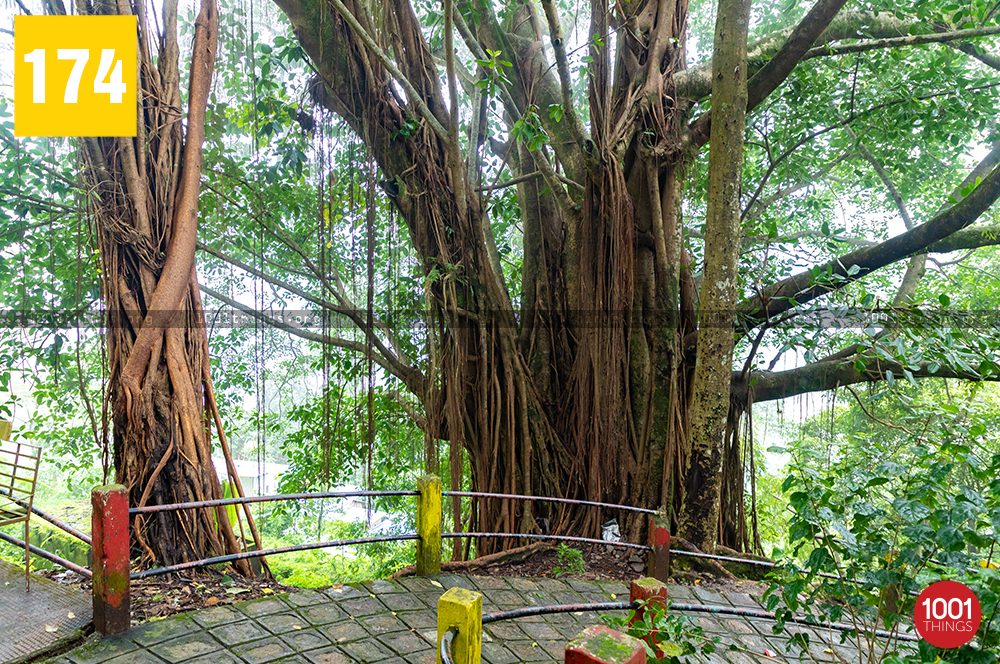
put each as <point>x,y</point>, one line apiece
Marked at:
<point>947,614</point>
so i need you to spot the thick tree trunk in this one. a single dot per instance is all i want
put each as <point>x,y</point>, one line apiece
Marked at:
<point>714,364</point>
<point>144,201</point>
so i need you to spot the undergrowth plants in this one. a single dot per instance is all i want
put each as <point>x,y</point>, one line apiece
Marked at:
<point>882,532</point>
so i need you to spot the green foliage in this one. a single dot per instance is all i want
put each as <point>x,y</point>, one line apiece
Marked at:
<point>570,561</point>
<point>932,512</point>
<point>673,635</point>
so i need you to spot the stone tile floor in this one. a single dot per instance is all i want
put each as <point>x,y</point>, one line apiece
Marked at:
<point>390,622</point>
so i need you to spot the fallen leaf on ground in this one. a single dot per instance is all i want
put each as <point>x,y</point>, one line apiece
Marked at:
<point>50,628</point>
<point>211,601</point>
<point>71,615</point>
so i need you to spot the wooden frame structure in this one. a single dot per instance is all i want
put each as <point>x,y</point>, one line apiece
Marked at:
<point>18,478</point>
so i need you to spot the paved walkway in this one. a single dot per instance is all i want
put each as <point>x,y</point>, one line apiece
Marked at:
<point>394,622</point>
<point>36,620</point>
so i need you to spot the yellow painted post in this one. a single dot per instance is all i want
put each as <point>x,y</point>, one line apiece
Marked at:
<point>429,525</point>
<point>463,610</point>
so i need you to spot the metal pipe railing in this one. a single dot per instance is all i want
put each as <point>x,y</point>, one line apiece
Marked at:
<point>267,552</point>
<point>571,501</point>
<point>444,648</point>
<point>219,502</point>
<point>557,608</point>
<point>51,557</point>
<point>564,538</point>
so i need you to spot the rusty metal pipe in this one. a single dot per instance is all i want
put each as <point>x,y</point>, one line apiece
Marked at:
<point>264,499</point>
<point>267,552</point>
<point>570,501</point>
<point>565,538</point>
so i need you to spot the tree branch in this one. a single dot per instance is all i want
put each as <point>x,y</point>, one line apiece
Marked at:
<point>802,287</point>
<point>829,374</point>
<point>900,42</point>
<point>777,69</point>
<point>411,92</point>
<point>411,378</point>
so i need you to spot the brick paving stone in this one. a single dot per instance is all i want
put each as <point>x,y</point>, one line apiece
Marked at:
<point>567,597</point>
<point>404,643</point>
<point>383,623</point>
<point>595,597</point>
<point>240,632</point>
<point>365,651</point>
<point>487,583</point>
<point>262,607</point>
<point>455,581</point>
<point>540,631</point>
<point>220,657</point>
<point>364,606</point>
<point>217,615</point>
<point>415,583</point>
<point>306,639</point>
<point>401,602</point>
<point>506,598</point>
<point>158,631</point>
<point>306,598</point>
<point>428,597</point>
<point>505,631</point>
<point>283,622</point>
<point>681,594</point>
<point>524,585</point>
<point>380,587</point>
<point>294,659</point>
<point>429,657</point>
<point>497,654</point>
<point>555,648</point>
<point>737,626</point>
<point>742,600</point>
<point>710,597</point>
<point>265,650</point>
<point>525,651</point>
<point>341,593</point>
<point>97,650</point>
<point>322,614</point>
<point>330,655</point>
<point>186,647</point>
<point>347,630</point>
<point>136,657</point>
<point>581,586</point>
<point>552,585</point>
<point>419,619</point>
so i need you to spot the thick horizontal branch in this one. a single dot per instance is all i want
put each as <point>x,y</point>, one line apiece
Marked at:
<point>837,273</point>
<point>900,42</point>
<point>970,238</point>
<point>830,374</point>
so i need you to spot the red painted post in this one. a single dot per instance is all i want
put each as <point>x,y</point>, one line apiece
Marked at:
<point>653,594</point>
<point>659,538</point>
<point>600,645</point>
<point>109,531</point>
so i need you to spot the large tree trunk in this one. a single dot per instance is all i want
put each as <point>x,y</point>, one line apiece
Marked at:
<point>603,387</point>
<point>144,200</point>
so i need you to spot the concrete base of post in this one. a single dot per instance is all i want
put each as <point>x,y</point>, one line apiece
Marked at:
<point>463,610</point>
<point>109,531</point>
<point>601,645</point>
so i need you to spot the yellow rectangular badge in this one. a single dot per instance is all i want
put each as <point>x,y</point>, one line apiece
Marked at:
<point>75,76</point>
